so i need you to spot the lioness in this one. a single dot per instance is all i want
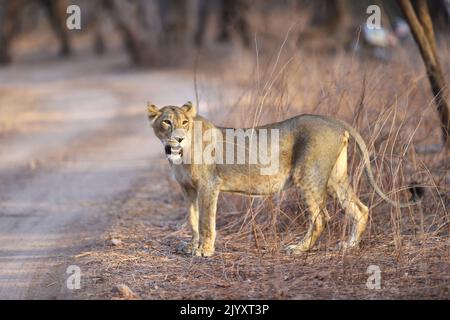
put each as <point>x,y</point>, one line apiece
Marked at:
<point>310,152</point>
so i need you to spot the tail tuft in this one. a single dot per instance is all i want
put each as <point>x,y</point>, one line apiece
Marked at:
<point>417,192</point>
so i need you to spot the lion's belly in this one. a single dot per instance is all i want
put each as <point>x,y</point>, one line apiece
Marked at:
<point>248,180</point>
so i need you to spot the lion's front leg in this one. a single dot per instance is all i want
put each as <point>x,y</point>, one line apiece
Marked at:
<point>192,203</point>
<point>207,204</point>
<point>193,222</point>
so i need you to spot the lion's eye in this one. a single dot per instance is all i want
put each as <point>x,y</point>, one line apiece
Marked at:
<point>167,122</point>
<point>185,122</point>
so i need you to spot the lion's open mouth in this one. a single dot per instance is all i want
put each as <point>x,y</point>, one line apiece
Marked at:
<point>173,152</point>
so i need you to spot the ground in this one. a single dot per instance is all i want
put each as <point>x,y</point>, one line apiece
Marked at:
<point>84,182</point>
<point>152,222</point>
<point>72,139</point>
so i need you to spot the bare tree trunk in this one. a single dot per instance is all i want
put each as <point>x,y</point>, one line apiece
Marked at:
<point>174,24</point>
<point>204,11</point>
<point>422,30</point>
<point>154,32</point>
<point>9,12</point>
<point>328,14</point>
<point>141,44</point>
<point>330,20</point>
<point>56,14</point>
<point>233,17</point>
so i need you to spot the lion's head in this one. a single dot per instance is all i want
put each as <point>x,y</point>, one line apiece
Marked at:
<point>173,125</point>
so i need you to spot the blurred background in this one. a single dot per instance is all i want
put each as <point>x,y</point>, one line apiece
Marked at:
<point>157,33</point>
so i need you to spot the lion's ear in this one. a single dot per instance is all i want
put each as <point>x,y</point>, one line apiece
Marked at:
<point>189,109</point>
<point>152,112</point>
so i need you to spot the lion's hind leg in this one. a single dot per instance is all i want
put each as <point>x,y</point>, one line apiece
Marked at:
<point>318,219</point>
<point>339,187</point>
<point>358,212</point>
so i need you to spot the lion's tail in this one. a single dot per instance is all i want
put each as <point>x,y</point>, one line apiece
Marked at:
<point>415,190</point>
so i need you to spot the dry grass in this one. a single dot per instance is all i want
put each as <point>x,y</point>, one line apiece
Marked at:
<point>152,222</point>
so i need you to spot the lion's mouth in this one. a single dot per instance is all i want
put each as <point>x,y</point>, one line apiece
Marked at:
<point>174,152</point>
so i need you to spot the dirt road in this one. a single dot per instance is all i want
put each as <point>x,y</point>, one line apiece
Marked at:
<point>73,140</point>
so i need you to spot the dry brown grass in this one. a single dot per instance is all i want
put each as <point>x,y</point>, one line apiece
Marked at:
<point>152,222</point>
<point>411,246</point>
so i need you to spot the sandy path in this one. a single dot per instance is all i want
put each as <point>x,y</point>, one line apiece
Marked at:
<point>83,143</point>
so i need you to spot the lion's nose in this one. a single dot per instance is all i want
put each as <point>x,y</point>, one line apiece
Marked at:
<point>179,139</point>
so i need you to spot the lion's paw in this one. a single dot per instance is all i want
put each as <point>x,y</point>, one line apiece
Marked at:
<point>347,245</point>
<point>295,249</point>
<point>203,252</point>
<point>186,248</point>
